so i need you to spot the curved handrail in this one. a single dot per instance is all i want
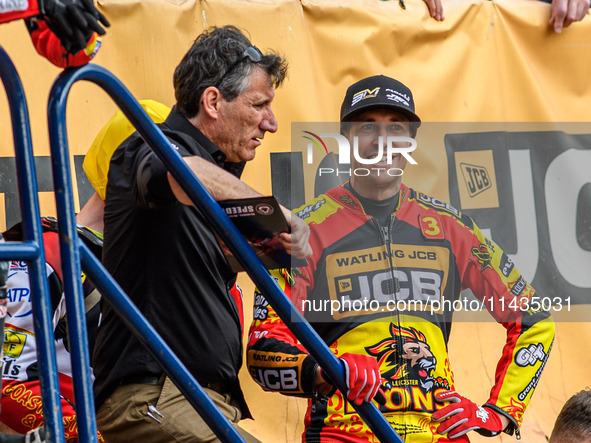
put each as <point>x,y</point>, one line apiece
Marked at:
<point>31,249</point>
<point>205,202</point>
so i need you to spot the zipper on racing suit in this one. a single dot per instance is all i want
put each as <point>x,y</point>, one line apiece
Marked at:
<point>385,233</point>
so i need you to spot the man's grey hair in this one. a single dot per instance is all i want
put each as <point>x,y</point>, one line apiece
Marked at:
<point>207,63</point>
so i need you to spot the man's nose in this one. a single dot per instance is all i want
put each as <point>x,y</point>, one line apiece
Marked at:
<point>269,122</point>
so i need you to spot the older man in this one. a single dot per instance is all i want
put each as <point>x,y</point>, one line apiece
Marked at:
<point>163,252</point>
<point>385,260</point>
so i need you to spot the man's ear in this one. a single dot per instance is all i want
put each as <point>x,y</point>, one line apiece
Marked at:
<point>210,101</point>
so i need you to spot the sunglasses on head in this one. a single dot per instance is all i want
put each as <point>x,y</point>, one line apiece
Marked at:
<point>252,53</point>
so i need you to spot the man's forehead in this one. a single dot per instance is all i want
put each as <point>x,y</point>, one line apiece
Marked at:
<point>380,115</point>
<point>260,86</point>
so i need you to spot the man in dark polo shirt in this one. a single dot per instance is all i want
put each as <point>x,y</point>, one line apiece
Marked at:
<point>163,253</point>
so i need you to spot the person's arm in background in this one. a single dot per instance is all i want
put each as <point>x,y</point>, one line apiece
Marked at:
<point>565,12</point>
<point>435,9</point>
<point>277,361</point>
<point>92,214</point>
<point>273,349</point>
<point>513,303</point>
<point>434,6</point>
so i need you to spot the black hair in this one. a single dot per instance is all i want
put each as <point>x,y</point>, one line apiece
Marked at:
<point>208,61</point>
<point>573,424</point>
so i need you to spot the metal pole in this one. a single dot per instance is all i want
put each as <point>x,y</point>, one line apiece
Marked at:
<point>32,250</point>
<point>146,334</point>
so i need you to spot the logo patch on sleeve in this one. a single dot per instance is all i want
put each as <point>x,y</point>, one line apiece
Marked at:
<point>431,227</point>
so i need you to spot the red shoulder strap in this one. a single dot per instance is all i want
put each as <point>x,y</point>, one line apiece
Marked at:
<point>52,252</point>
<point>236,292</point>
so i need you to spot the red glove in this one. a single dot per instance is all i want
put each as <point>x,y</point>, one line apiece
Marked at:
<point>363,377</point>
<point>73,21</point>
<point>462,416</point>
<point>49,46</point>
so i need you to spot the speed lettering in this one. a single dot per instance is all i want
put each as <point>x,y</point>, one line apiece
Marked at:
<point>236,210</point>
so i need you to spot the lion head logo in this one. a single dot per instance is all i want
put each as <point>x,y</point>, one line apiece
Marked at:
<point>405,355</point>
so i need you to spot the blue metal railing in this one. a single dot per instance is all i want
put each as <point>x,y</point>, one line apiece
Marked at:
<point>31,248</point>
<point>70,249</point>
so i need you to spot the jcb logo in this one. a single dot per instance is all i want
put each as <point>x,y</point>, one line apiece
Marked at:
<point>345,285</point>
<point>476,177</point>
<point>382,285</point>
<point>283,379</point>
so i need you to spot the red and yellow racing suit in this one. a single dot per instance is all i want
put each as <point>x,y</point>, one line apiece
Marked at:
<point>389,292</point>
<point>21,409</point>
